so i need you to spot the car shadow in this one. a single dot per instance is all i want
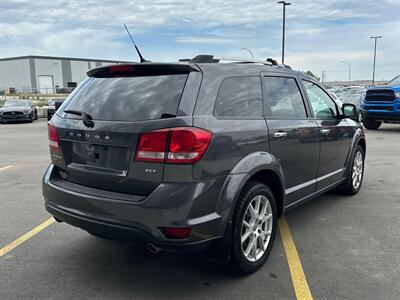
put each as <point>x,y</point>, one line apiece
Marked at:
<point>327,201</point>
<point>390,128</point>
<point>121,269</point>
<point>132,270</point>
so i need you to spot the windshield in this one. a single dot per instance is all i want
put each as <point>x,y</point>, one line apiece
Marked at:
<point>129,98</point>
<point>16,103</point>
<point>395,81</point>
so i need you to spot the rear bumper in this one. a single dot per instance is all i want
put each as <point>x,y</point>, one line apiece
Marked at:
<point>169,205</point>
<point>120,232</point>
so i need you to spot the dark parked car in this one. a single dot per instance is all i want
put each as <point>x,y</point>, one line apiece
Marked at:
<point>198,155</point>
<point>18,110</point>
<point>53,106</point>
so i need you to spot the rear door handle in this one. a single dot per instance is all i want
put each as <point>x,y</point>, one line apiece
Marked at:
<point>325,131</point>
<point>279,134</point>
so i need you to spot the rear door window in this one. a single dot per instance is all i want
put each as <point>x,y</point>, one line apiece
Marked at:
<point>239,97</point>
<point>283,98</point>
<point>129,98</point>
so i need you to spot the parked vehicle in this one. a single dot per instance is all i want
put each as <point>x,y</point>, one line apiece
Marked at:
<point>53,106</point>
<point>382,104</point>
<point>18,110</point>
<point>198,155</point>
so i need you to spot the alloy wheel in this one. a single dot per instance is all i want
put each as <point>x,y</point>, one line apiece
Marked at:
<point>357,172</point>
<point>256,228</point>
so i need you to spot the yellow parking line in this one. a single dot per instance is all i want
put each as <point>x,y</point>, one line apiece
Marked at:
<point>299,280</point>
<point>25,237</point>
<point>5,168</point>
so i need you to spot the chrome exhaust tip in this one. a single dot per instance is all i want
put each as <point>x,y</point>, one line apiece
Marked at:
<point>153,249</point>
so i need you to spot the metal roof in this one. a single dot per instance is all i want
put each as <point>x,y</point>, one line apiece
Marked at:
<point>62,58</point>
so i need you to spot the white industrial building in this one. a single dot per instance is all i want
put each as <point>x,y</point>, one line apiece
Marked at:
<point>45,74</point>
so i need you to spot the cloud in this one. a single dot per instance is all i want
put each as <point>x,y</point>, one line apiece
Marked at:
<point>204,40</point>
<point>319,33</point>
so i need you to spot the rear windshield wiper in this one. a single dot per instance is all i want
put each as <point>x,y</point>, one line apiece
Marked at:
<point>86,118</point>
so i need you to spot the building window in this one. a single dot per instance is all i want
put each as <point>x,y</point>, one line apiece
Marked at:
<point>71,84</point>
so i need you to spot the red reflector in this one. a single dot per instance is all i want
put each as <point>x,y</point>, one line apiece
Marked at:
<point>53,137</point>
<point>188,144</point>
<point>176,232</point>
<point>152,146</point>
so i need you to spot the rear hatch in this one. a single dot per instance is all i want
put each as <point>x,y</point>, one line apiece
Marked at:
<point>98,128</point>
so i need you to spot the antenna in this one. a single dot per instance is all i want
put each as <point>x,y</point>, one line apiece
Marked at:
<point>142,60</point>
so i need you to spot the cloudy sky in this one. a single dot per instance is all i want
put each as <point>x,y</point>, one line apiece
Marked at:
<point>320,33</point>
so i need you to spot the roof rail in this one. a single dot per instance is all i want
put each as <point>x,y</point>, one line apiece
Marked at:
<point>286,66</point>
<point>234,59</point>
<point>207,58</point>
<point>204,58</point>
<point>272,61</point>
<point>275,63</point>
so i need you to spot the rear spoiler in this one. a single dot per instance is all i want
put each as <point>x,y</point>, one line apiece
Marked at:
<point>142,69</point>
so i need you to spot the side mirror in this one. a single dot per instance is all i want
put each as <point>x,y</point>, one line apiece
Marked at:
<point>349,111</point>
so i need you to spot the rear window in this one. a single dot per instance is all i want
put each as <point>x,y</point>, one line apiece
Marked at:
<point>129,98</point>
<point>239,97</point>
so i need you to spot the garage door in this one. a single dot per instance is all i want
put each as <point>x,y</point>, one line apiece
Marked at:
<point>46,85</point>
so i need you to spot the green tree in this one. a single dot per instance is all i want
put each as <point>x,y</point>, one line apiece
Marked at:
<point>312,75</point>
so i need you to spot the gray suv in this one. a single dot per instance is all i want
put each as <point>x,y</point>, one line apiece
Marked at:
<point>196,155</point>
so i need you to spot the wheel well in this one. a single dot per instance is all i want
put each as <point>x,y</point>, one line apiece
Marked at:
<point>361,142</point>
<point>272,180</point>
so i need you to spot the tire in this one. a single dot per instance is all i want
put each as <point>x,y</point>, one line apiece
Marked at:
<point>256,257</point>
<point>371,123</point>
<point>31,118</point>
<point>349,187</point>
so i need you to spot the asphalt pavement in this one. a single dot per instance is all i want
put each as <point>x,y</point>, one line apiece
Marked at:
<point>348,246</point>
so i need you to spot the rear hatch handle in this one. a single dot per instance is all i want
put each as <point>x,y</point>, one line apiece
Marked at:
<point>86,118</point>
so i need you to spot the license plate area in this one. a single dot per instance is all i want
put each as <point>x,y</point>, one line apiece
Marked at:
<point>100,156</point>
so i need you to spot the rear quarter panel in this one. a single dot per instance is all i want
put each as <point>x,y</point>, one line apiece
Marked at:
<point>234,138</point>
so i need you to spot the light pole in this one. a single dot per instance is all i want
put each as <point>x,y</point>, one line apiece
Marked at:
<point>373,71</point>
<point>348,64</point>
<point>248,50</point>
<point>284,4</point>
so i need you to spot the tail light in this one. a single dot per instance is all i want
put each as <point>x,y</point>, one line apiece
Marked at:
<point>152,146</point>
<point>54,141</point>
<point>181,145</point>
<point>187,145</point>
